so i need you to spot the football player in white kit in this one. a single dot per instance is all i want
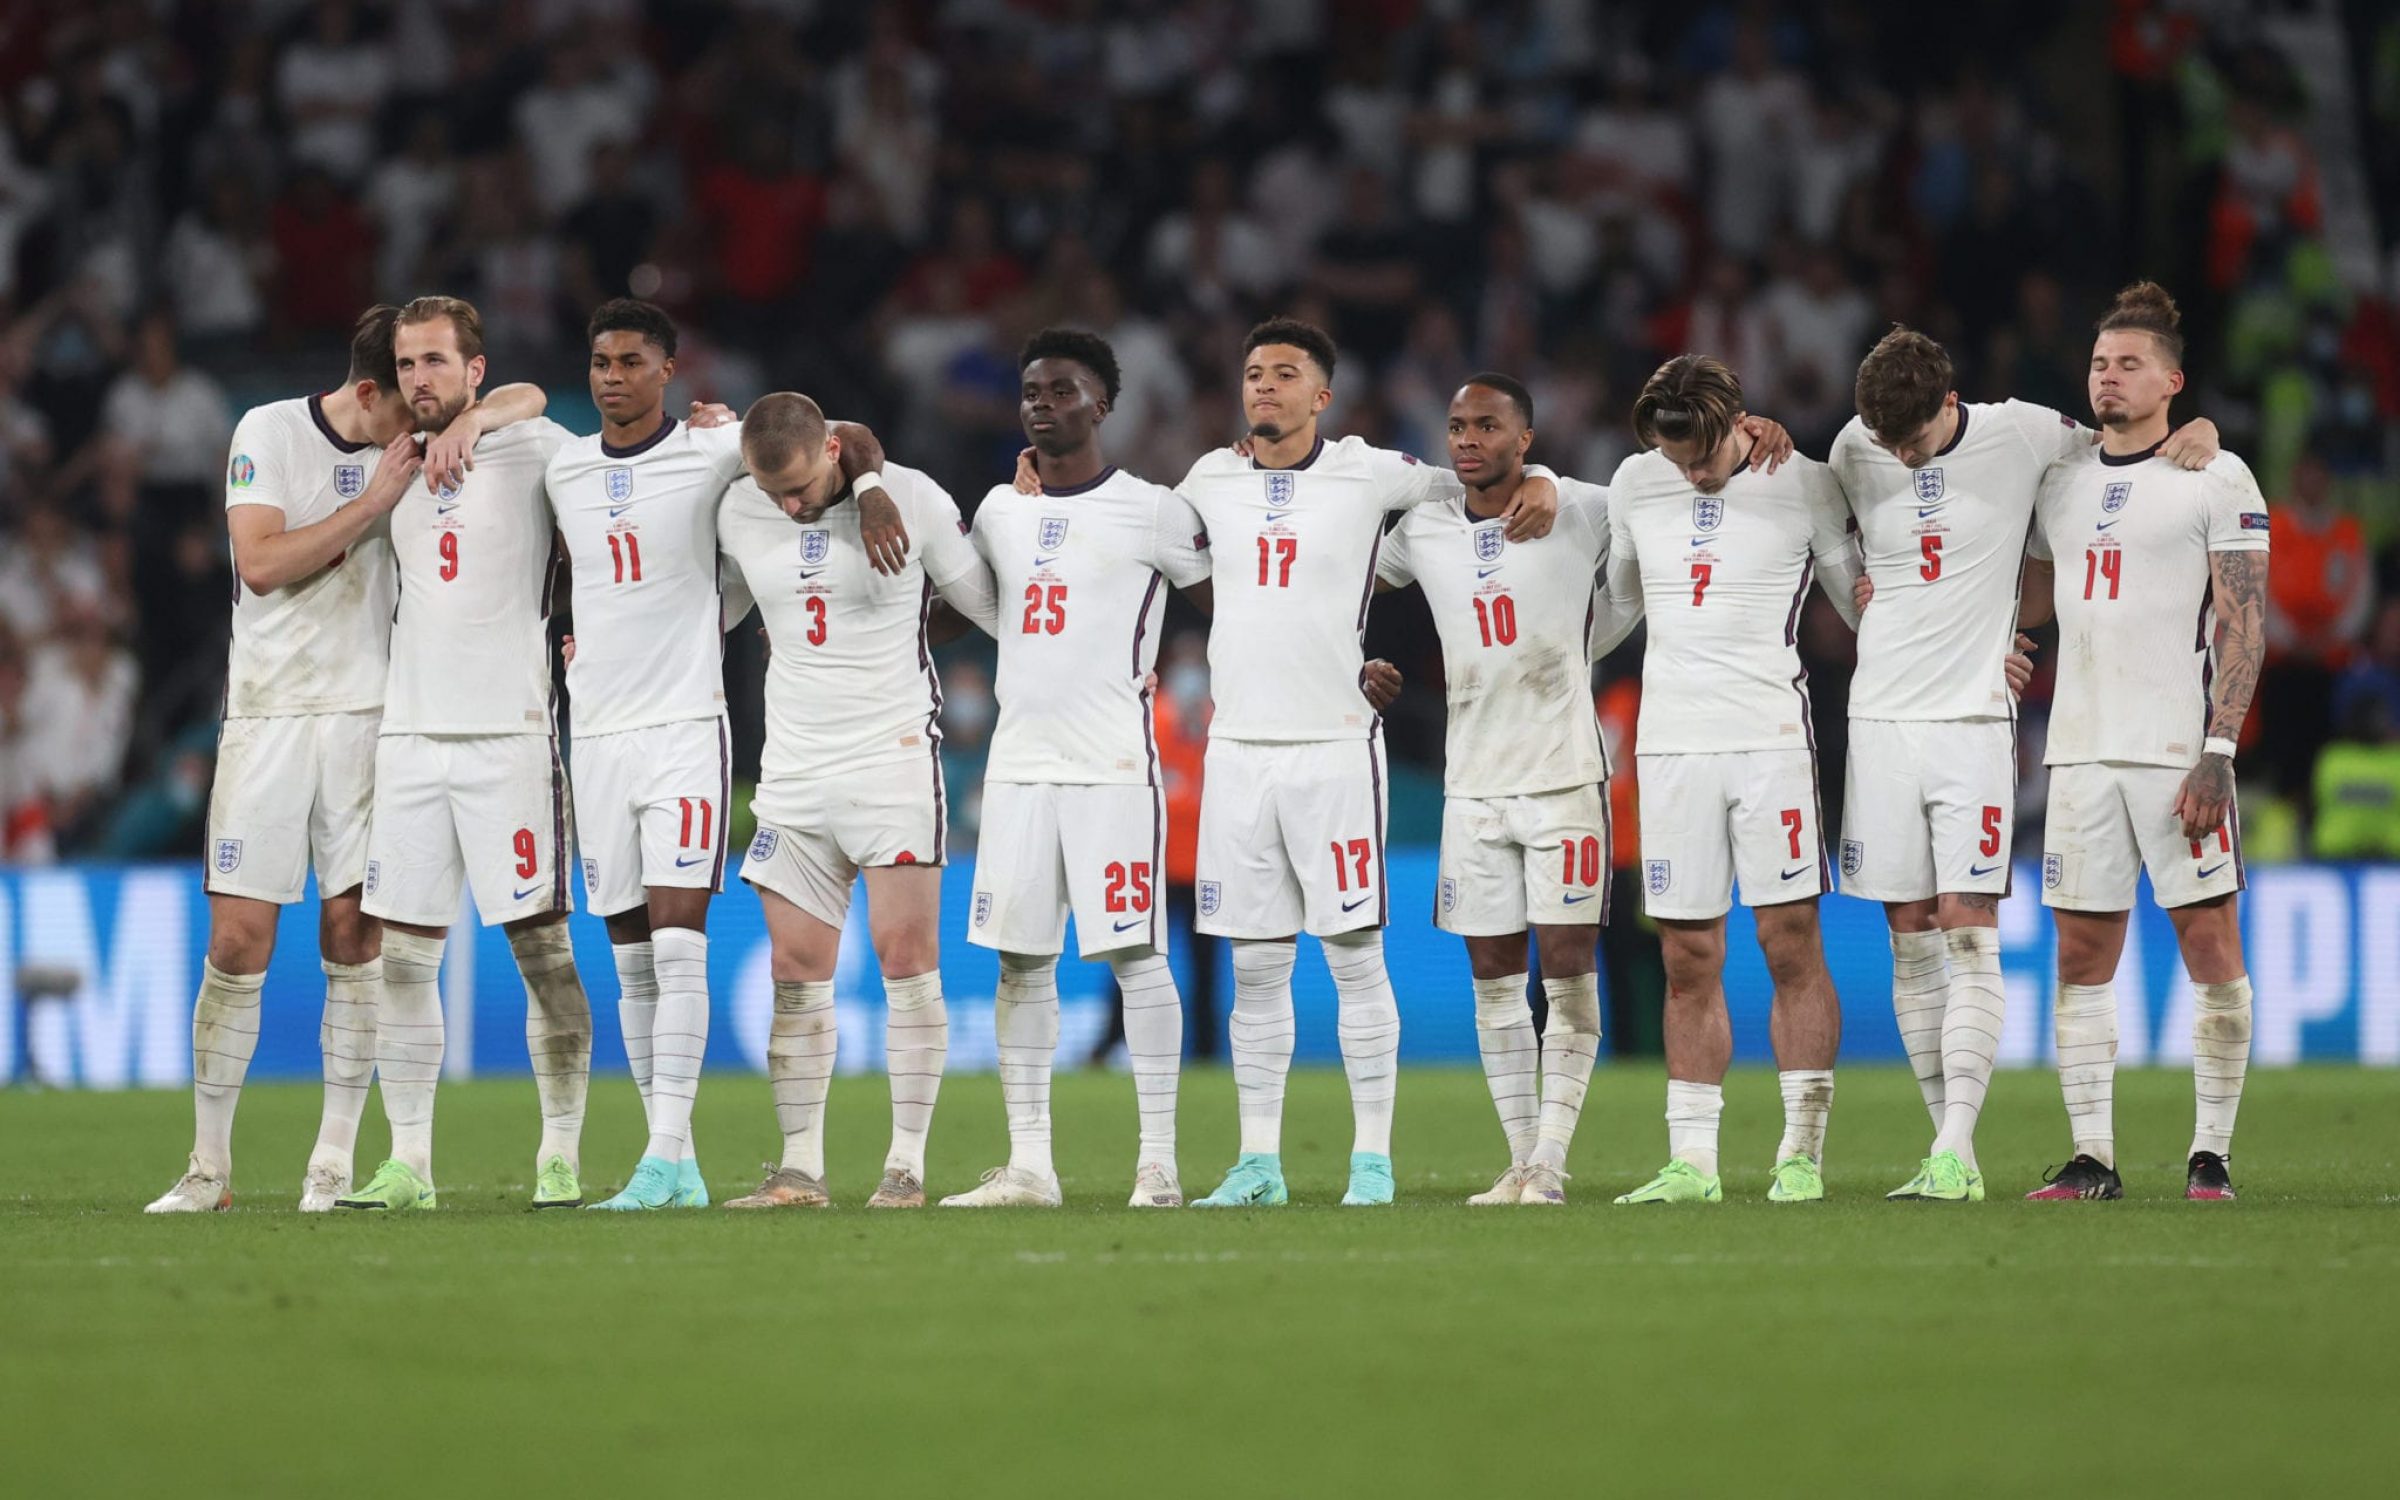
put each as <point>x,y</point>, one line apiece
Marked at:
<point>636,506</point>
<point>308,486</point>
<point>1292,804</point>
<point>1721,558</point>
<point>1525,798</point>
<point>1943,494</point>
<point>2161,634</point>
<point>851,778</point>
<point>468,785</point>
<point>1074,812</point>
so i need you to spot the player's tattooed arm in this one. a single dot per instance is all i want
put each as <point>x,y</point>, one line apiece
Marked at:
<point>2191,446</point>
<point>1770,444</point>
<point>450,453</point>
<point>2239,583</point>
<point>879,523</point>
<point>2036,604</point>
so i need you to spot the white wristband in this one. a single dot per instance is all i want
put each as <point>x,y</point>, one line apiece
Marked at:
<point>2216,746</point>
<point>865,482</point>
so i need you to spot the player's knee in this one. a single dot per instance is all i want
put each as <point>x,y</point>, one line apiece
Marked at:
<point>1498,957</point>
<point>628,926</point>
<point>1567,951</point>
<point>2211,939</point>
<point>906,948</point>
<point>242,940</point>
<point>1028,971</point>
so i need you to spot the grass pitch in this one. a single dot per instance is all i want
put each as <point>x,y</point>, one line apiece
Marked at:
<point>2148,1346</point>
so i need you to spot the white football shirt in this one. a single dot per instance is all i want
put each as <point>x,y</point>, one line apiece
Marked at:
<point>640,527</point>
<point>320,645</point>
<point>1294,553</point>
<point>1945,545</point>
<point>1722,579</point>
<point>1082,578</point>
<point>1514,618</point>
<point>2136,623</point>
<point>850,675</point>
<point>471,644</point>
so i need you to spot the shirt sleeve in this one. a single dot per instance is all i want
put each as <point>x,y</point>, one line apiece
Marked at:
<point>2052,435</point>
<point>1392,565</point>
<point>254,469</point>
<point>1832,539</point>
<point>1179,541</point>
<point>2237,512</point>
<point>949,555</point>
<point>1403,482</point>
<point>722,447</point>
<point>975,595</point>
<point>2037,541</point>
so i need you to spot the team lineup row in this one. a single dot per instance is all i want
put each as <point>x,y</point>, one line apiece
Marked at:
<point>389,724</point>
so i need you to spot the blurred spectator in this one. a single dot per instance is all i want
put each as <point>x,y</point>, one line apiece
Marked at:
<point>583,102</point>
<point>1210,253</point>
<point>410,198</point>
<point>216,259</point>
<point>331,83</point>
<point>50,571</point>
<point>1748,116</point>
<point>609,233</point>
<point>77,718</point>
<point>2320,594</point>
<point>1365,268</point>
<point>24,812</point>
<point>171,420</point>
<point>761,215</point>
<point>324,251</point>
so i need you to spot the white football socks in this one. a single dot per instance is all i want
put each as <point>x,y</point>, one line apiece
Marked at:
<point>1154,1040</point>
<point>1692,1113</point>
<point>1807,1107</point>
<point>224,1038</point>
<point>558,1036</point>
<point>800,1048</point>
<point>1569,1044</point>
<point>1511,1060</point>
<point>1261,1030</point>
<point>1368,1026</point>
<point>678,1039</point>
<point>1920,994</point>
<point>637,1018</point>
<point>1970,1035</point>
<point>2220,1059</point>
<point>2086,1020</point>
<point>1025,1023</point>
<point>916,1044</point>
<point>346,1037</point>
<point>408,1044</point>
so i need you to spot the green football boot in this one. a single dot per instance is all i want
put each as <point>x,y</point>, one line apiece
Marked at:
<point>1370,1180</point>
<point>1797,1180</point>
<point>1944,1178</point>
<point>1678,1182</point>
<point>653,1186</point>
<point>691,1189</point>
<point>394,1186</point>
<point>555,1186</point>
<point>1256,1181</point>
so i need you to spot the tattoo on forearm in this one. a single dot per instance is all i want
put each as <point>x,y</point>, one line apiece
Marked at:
<point>2212,779</point>
<point>2241,645</point>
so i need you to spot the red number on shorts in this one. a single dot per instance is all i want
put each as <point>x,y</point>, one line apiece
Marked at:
<point>1792,824</point>
<point>816,614</point>
<point>1931,568</point>
<point>1358,852</point>
<point>1499,621</point>
<point>628,558</point>
<point>1586,851</point>
<point>1052,599</point>
<point>707,816</point>
<point>528,856</point>
<point>449,550</point>
<point>1991,832</point>
<point>2224,842</point>
<point>1284,551</point>
<point>1701,574</point>
<point>1128,886</point>
<point>2102,564</point>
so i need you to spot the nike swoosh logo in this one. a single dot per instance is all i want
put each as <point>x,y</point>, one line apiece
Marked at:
<point>1043,562</point>
<point>2212,869</point>
<point>529,890</point>
<point>2104,525</point>
<point>1485,572</point>
<point>1795,874</point>
<point>697,859</point>
<point>810,572</point>
<point>1924,511</point>
<point>1355,905</point>
<point>1136,922</point>
<point>615,511</point>
<point>1699,541</point>
<point>1977,872</point>
<point>1586,896</point>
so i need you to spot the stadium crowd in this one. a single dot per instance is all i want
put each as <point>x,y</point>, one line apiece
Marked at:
<point>875,203</point>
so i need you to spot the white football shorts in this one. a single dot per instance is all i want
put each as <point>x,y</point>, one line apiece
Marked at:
<point>290,792</point>
<point>815,836</point>
<point>650,809</point>
<point>2107,823</point>
<point>480,812</point>
<point>1931,807</point>
<point>1707,819</point>
<point>1509,861</point>
<point>1043,851</point>
<point>1291,838</point>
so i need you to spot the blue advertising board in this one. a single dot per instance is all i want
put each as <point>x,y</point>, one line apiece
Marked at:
<point>98,965</point>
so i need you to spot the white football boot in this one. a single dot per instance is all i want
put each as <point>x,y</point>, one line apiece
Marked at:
<point>198,1191</point>
<point>1007,1187</point>
<point>1155,1186</point>
<point>1509,1187</point>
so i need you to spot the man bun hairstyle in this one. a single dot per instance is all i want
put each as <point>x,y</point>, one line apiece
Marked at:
<point>461,313</point>
<point>633,315</point>
<point>779,428</point>
<point>1690,398</point>
<point>371,348</point>
<point>1089,350</point>
<point>2145,307</point>
<point>1509,386</point>
<point>1308,338</point>
<point>1902,384</point>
